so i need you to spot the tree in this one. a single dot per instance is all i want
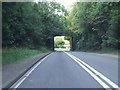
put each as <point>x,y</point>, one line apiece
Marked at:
<point>95,25</point>
<point>67,38</point>
<point>31,25</point>
<point>59,43</point>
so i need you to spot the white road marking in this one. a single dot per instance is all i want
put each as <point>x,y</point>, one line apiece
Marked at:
<point>91,73</point>
<point>98,73</point>
<point>83,64</point>
<point>19,82</point>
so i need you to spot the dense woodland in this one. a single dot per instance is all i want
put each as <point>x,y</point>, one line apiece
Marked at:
<point>96,25</point>
<point>93,25</point>
<point>32,25</point>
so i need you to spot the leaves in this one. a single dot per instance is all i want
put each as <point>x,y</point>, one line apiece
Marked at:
<point>27,24</point>
<point>95,25</point>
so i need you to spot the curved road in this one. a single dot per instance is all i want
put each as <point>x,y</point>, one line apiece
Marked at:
<point>72,70</point>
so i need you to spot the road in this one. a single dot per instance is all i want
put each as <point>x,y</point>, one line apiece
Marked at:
<point>72,70</point>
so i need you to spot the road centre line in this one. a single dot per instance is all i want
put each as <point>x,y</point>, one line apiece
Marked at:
<point>98,73</point>
<point>91,73</point>
<point>83,64</point>
<point>19,82</point>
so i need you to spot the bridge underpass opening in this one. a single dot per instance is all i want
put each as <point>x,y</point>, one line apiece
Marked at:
<point>62,43</point>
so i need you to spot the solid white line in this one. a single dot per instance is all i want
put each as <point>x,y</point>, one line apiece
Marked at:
<point>91,73</point>
<point>18,83</point>
<point>98,73</point>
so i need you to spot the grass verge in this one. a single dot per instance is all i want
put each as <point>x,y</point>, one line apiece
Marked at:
<point>10,55</point>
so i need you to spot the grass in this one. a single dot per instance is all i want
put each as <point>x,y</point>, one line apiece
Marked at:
<point>10,55</point>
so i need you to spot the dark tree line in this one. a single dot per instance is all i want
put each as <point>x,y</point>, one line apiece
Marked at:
<point>96,25</point>
<point>30,24</point>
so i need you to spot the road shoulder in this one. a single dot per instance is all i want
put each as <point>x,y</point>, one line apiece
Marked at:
<point>11,72</point>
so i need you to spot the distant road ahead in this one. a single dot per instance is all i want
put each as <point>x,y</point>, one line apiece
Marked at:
<point>72,70</point>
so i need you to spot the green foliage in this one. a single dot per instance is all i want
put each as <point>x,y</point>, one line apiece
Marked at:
<point>95,25</point>
<point>67,38</point>
<point>58,43</point>
<point>11,55</point>
<point>31,25</point>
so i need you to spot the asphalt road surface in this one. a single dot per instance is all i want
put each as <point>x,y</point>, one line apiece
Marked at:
<point>72,70</point>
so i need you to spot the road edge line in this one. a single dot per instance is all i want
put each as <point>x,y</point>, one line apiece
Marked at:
<point>19,81</point>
